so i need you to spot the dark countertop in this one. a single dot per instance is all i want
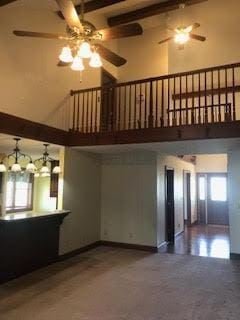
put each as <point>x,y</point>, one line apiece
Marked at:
<point>11,217</point>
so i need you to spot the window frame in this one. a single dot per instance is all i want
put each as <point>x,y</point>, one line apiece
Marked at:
<point>23,209</point>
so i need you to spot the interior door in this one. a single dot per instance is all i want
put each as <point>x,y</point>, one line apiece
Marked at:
<point>107,101</point>
<point>187,198</point>
<point>170,228</point>
<point>217,204</point>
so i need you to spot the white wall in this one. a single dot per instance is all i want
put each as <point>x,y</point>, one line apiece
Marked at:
<point>234,202</point>
<point>128,198</point>
<point>179,166</point>
<point>211,163</point>
<point>81,195</point>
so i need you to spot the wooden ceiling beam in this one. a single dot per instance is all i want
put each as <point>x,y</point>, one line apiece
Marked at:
<point>149,11</point>
<point>93,5</point>
<point>4,2</point>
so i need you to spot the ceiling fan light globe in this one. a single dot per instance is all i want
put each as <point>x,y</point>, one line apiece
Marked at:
<point>3,167</point>
<point>95,61</point>
<point>16,167</point>
<point>77,64</point>
<point>85,51</point>
<point>181,38</point>
<point>66,55</point>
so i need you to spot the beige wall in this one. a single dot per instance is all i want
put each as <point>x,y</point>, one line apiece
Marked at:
<point>81,195</point>
<point>179,166</point>
<point>128,198</point>
<point>219,20</point>
<point>211,163</point>
<point>32,86</point>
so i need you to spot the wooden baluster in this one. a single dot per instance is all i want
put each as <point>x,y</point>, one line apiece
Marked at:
<point>87,110</point>
<point>140,106</point>
<point>180,102</point>
<point>156,106</point>
<point>162,112</point>
<point>199,99</point>
<point>150,116</point>
<point>130,107</point>
<point>212,98</point>
<point>174,120</point>
<point>193,102</point>
<point>91,117</point>
<point>219,96</point>
<point>168,103</point>
<point>187,122</point>
<point>119,108</point>
<point>74,111</point>
<point>96,111</point>
<point>78,106</point>
<point>227,109</point>
<point>125,102</point>
<point>145,107</point>
<point>135,107</point>
<point>233,94</point>
<point>205,98</point>
<point>83,113</point>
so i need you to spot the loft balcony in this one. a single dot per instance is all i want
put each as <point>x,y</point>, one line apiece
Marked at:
<point>191,105</point>
<point>200,104</point>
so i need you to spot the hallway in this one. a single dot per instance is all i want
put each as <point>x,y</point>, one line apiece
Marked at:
<point>201,240</point>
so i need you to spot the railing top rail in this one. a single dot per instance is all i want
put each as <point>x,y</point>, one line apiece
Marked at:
<point>164,77</point>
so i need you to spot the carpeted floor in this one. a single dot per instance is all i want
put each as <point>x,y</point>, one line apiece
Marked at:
<point>120,284</point>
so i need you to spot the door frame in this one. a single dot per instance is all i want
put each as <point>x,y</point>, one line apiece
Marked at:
<point>186,198</point>
<point>166,206</point>
<point>113,108</point>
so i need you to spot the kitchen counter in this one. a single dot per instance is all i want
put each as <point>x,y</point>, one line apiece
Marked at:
<point>28,241</point>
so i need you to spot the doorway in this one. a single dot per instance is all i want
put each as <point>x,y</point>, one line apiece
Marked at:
<point>212,199</point>
<point>107,101</point>
<point>169,204</point>
<point>187,198</point>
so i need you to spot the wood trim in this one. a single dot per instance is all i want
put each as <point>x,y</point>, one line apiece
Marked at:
<point>93,5</point>
<point>128,246</point>
<point>149,11</point>
<point>74,253</point>
<point>20,127</point>
<point>176,133</point>
<point>234,256</point>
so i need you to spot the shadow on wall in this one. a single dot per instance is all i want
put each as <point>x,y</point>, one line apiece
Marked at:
<point>60,116</point>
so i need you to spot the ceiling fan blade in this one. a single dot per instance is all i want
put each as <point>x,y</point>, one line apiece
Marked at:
<point>21,33</point>
<point>197,37</point>
<point>191,27</point>
<point>4,2</point>
<point>128,30</point>
<point>165,40</point>
<point>70,14</point>
<point>63,64</point>
<point>110,56</point>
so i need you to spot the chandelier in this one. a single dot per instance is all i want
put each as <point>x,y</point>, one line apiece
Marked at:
<point>31,166</point>
<point>44,170</point>
<point>16,155</point>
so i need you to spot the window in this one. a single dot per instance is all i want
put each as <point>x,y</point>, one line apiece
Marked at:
<point>201,188</point>
<point>19,193</point>
<point>218,187</point>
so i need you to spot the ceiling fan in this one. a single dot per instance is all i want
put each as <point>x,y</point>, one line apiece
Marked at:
<point>183,35</point>
<point>84,40</point>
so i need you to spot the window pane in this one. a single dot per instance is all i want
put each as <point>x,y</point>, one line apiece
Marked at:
<point>218,187</point>
<point>202,188</point>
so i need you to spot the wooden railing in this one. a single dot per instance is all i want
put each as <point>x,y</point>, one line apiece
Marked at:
<point>197,97</point>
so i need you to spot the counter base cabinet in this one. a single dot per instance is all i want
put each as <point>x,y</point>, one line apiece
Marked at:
<point>29,244</point>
